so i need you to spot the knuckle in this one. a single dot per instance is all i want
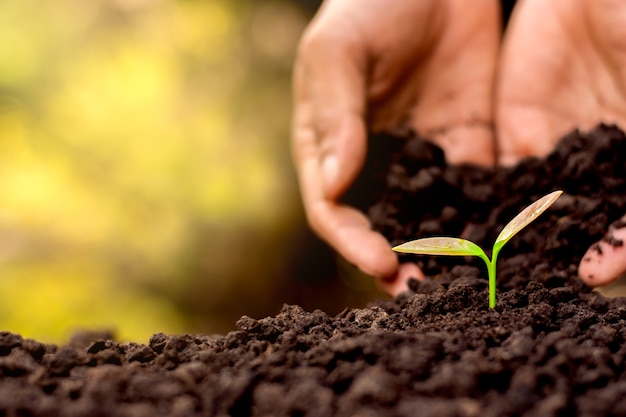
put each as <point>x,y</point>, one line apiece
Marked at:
<point>314,41</point>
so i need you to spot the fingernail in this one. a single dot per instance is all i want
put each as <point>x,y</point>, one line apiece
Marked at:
<point>330,170</point>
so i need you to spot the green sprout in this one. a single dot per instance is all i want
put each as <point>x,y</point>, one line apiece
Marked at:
<point>453,246</point>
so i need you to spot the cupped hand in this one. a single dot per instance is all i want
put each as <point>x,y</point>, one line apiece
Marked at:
<point>380,65</point>
<point>563,66</point>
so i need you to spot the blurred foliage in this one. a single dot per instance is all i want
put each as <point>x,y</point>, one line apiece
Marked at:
<point>145,181</point>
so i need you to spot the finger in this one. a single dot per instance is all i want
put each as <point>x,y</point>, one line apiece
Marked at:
<point>526,122</point>
<point>399,283</point>
<point>329,144</point>
<point>349,232</point>
<point>344,228</point>
<point>543,92</point>
<point>455,107</point>
<point>605,261</point>
<point>330,79</point>
<point>472,144</point>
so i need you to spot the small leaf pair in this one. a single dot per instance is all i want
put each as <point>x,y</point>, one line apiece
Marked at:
<point>452,246</point>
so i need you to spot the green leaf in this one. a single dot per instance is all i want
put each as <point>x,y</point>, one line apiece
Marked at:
<point>450,246</point>
<point>526,216</point>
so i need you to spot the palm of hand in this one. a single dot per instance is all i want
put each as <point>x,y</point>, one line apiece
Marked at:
<point>431,65</point>
<point>562,67</point>
<point>435,73</point>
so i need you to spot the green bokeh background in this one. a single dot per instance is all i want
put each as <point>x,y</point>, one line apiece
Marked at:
<point>145,177</point>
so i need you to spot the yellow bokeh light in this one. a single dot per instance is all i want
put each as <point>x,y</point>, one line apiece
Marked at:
<point>127,129</point>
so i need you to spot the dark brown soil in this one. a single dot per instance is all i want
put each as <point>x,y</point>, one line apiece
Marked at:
<point>550,348</point>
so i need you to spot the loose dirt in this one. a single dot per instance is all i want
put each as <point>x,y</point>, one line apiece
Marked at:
<point>551,347</point>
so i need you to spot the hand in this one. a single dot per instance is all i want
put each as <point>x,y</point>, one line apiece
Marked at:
<point>604,261</point>
<point>563,66</point>
<point>380,65</point>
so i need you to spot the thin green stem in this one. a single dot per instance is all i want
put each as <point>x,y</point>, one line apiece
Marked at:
<point>491,270</point>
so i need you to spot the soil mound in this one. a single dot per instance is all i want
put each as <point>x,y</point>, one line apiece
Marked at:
<point>551,347</point>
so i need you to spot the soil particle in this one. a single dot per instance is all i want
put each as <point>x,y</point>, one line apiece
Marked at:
<point>551,347</point>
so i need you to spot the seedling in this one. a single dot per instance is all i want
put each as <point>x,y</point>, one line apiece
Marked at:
<point>454,246</point>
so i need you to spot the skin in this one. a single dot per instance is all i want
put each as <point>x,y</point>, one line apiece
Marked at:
<point>563,66</point>
<point>443,71</point>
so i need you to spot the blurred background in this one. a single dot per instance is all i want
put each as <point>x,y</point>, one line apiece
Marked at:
<point>145,177</point>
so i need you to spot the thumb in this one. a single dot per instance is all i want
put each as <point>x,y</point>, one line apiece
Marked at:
<point>605,260</point>
<point>331,79</point>
<point>343,147</point>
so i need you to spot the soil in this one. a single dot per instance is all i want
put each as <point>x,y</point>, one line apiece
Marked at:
<point>551,347</point>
